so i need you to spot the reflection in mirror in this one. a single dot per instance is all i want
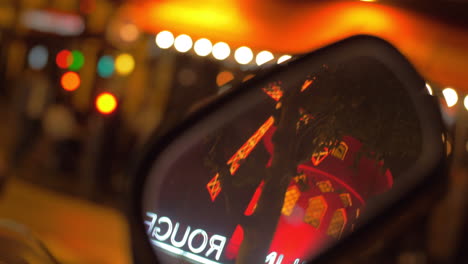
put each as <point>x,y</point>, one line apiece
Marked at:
<point>286,175</point>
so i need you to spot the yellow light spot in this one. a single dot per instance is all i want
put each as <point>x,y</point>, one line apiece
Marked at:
<point>203,47</point>
<point>264,57</point>
<point>124,64</point>
<point>221,51</point>
<point>290,200</point>
<point>243,55</point>
<point>106,103</point>
<point>183,43</point>
<point>164,39</point>
<point>451,96</point>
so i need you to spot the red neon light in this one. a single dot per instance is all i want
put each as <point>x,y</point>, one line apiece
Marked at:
<point>253,203</point>
<point>349,188</point>
<point>234,243</point>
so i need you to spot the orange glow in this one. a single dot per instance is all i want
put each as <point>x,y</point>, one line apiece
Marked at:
<point>129,32</point>
<point>106,103</point>
<point>224,77</point>
<point>185,16</point>
<point>70,81</point>
<point>274,91</point>
<point>214,187</point>
<point>299,26</point>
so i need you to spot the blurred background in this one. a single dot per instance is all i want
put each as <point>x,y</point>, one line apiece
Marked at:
<point>84,83</point>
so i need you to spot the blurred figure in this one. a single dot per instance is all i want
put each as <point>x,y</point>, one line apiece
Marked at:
<point>34,94</point>
<point>59,124</point>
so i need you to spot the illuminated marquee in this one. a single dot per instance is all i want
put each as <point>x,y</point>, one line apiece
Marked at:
<point>167,235</point>
<point>245,150</point>
<point>214,185</point>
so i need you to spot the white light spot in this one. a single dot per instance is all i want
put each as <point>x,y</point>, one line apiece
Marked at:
<point>264,57</point>
<point>451,96</point>
<point>243,55</point>
<point>429,88</point>
<point>465,102</point>
<point>183,43</point>
<point>221,51</point>
<point>164,39</point>
<point>203,47</point>
<point>284,58</point>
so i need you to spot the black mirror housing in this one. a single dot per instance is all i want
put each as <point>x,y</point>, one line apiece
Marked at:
<point>300,134</point>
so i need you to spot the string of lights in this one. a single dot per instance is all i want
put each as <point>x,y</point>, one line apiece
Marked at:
<point>221,51</point>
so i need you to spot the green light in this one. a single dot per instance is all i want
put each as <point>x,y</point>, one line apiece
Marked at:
<point>78,60</point>
<point>106,66</point>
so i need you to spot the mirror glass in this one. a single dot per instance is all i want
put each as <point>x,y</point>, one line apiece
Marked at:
<point>282,171</point>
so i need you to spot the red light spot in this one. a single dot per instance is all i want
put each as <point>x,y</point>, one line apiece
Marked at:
<point>70,81</point>
<point>64,59</point>
<point>106,103</point>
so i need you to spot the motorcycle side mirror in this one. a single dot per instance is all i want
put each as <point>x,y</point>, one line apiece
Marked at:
<point>292,165</point>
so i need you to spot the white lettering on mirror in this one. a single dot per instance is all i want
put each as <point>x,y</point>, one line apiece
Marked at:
<point>203,244</point>
<point>156,230</point>
<point>216,247</point>
<point>151,223</point>
<point>197,241</point>
<point>182,242</point>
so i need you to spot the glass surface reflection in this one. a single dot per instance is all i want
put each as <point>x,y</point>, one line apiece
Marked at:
<point>288,175</point>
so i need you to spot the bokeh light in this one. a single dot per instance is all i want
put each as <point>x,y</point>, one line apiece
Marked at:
<point>203,47</point>
<point>429,88</point>
<point>77,60</point>
<point>187,77</point>
<point>64,59</point>
<point>129,32</point>
<point>451,96</point>
<point>284,58</point>
<point>465,102</point>
<point>224,77</point>
<point>243,55</point>
<point>124,64</point>
<point>221,51</point>
<point>264,57</point>
<point>106,103</point>
<point>106,66</point>
<point>183,43</point>
<point>164,39</point>
<point>37,57</point>
<point>70,81</point>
